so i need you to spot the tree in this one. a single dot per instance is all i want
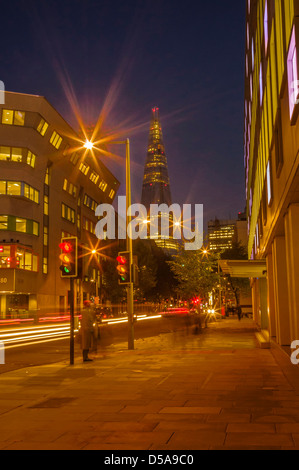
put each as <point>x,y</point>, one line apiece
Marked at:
<point>196,273</point>
<point>156,280</point>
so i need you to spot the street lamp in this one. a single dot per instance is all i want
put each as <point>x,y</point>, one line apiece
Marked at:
<point>88,145</point>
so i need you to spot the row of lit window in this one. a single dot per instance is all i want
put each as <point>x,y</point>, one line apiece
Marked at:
<point>17,154</point>
<point>17,224</point>
<point>94,177</point>
<point>67,213</point>
<point>90,203</point>
<point>89,226</point>
<point>17,118</point>
<point>19,188</point>
<point>70,188</point>
<point>13,117</point>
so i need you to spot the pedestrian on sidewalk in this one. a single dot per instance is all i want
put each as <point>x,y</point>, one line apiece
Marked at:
<point>87,328</point>
<point>239,312</point>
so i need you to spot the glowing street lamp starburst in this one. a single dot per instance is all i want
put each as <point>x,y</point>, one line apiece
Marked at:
<point>88,145</point>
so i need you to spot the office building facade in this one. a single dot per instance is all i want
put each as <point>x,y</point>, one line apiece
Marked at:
<point>222,234</point>
<point>50,187</point>
<point>271,157</point>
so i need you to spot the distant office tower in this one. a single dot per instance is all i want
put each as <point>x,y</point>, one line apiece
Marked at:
<point>223,233</point>
<point>156,187</point>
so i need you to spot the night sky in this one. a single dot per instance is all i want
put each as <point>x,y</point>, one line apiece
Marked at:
<point>121,58</point>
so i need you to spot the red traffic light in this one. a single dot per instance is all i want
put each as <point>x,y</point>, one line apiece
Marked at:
<point>123,268</point>
<point>69,257</point>
<point>66,247</point>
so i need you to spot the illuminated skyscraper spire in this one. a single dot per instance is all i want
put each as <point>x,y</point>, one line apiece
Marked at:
<point>156,189</point>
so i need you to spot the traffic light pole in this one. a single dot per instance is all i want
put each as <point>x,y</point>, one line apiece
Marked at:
<point>72,320</point>
<point>130,288</point>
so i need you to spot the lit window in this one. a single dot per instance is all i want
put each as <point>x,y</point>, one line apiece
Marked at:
<point>56,140</point>
<point>10,117</point>
<point>5,153</point>
<point>269,182</point>
<point>47,177</point>
<point>35,263</point>
<point>45,265</point>
<point>31,159</point>
<point>94,177</point>
<point>28,261</point>
<point>35,228</point>
<point>103,186</point>
<point>261,85</point>
<point>16,155</point>
<point>111,194</point>
<point>19,118</point>
<point>21,225</point>
<point>46,205</point>
<point>84,168</point>
<point>42,127</point>
<point>70,188</point>
<point>3,222</point>
<point>68,213</point>
<point>293,74</point>
<point>7,116</point>
<point>74,158</point>
<point>13,188</point>
<point>46,236</point>
<point>266,27</point>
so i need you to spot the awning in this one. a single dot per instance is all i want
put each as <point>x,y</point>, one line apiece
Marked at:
<point>244,268</point>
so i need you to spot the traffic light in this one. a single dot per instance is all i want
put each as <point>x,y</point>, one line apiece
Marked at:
<point>123,268</point>
<point>69,257</point>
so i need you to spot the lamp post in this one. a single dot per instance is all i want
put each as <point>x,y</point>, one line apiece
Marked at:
<point>130,287</point>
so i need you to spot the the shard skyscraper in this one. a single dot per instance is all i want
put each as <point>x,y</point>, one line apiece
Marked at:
<point>156,186</point>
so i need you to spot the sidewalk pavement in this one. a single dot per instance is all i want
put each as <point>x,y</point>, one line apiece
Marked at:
<point>178,391</point>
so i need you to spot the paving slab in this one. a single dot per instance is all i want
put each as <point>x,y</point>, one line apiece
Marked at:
<point>215,390</point>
